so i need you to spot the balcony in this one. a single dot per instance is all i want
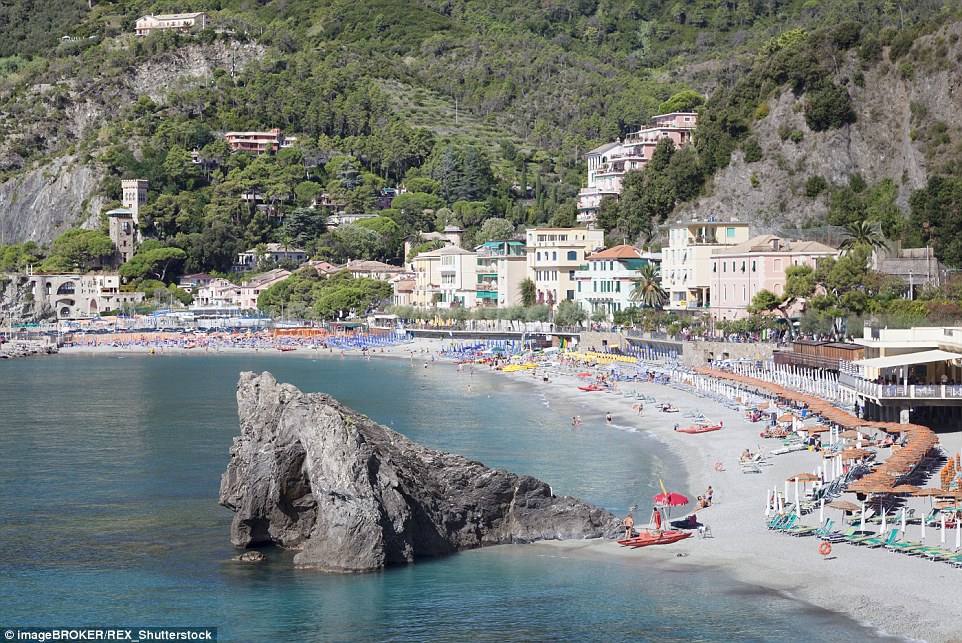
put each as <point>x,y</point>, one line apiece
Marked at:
<point>901,391</point>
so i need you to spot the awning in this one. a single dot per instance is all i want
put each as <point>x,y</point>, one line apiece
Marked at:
<point>923,357</point>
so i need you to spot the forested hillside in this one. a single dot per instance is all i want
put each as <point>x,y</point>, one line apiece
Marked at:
<point>482,109</point>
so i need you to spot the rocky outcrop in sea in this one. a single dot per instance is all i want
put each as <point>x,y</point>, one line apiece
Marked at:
<point>310,474</point>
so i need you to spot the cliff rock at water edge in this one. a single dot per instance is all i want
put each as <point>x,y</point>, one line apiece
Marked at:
<point>309,474</point>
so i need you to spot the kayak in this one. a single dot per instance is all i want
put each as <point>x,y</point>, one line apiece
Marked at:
<point>701,428</point>
<point>647,537</point>
<point>591,387</point>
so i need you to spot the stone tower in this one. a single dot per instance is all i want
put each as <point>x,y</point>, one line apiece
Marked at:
<point>123,232</point>
<point>135,195</point>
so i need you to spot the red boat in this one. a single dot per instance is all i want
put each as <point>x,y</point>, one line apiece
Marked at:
<point>285,349</point>
<point>648,537</point>
<point>591,387</point>
<point>701,428</point>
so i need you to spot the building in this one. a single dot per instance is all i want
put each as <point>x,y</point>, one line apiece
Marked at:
<point>554,255</point>
<point>217,293</point>
<point>323,268</point>
<point>740,272</point>
<point>122,232</point>
<point>272,253</point>
<point>686,263</point>
<point>403,292</point>
<point>134,196</point>
<point>446,277</point>
<point>81,296</point>
<point>608,164</point>
<point>908,375</point>
<point>605,283</point>
<point>915,266</point>
<point>250,290</point>
<point>190,283</point>
<point>369,269</point>
<point>450,236</point>
<point>339,218</point>
<point>502,266</point>
<point>172,21</point>
<point>258,142</point>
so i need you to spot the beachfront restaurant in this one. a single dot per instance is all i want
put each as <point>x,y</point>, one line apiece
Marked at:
<point>923,387</point>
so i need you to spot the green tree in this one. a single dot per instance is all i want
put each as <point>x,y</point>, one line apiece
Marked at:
<point>828,107</point>
<point>158,263</point>
<point>683,101</point>
<point>303,225</point>
<point>528,292</point>
<point>863,234</point>
<point>937,216</point>
<point>569,313</point>
<point>77,250</point>
<point>495,230</point>
<point>647,288</point>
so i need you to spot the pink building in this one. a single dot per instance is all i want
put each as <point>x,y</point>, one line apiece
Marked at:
<point>739,272</point>
<point>608,164</point>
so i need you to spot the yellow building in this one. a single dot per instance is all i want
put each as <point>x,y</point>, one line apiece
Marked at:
<point>554,255</point>
<point>686,263</point>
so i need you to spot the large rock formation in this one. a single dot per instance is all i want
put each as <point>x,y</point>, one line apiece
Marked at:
<point>308,473</point>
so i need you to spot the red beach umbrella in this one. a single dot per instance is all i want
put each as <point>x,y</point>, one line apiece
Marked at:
<point>671,499</point>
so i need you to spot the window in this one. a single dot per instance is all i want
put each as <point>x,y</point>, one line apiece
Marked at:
<point>572,255</point>
<point>743,266</point>
<point>730,232</point>
<point>537,256</point>
<point>571,274</point>
<point>724,267</point>
<point>618,286</point>
<point>579,286</point>
<point>571,294</point>
<point>554,256</point>
<point>714,266</point>
<point>753,266</point>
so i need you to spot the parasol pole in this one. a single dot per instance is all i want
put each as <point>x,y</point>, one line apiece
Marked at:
<point>821,511</point>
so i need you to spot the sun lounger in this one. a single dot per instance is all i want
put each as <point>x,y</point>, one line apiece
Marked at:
<point>839,536</point>
<point>880,541</point>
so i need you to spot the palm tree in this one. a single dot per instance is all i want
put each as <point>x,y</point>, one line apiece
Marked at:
<point>863,233</point>
<point>647,289</point>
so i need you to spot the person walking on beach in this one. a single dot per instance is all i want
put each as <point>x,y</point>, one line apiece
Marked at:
<point>708,493</point>
<point>608,418</point>
<point>629,524</point>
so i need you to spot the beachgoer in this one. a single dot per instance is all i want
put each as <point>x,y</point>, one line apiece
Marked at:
<point>656,518</point>
<point>676,426</point>
<point>608,418</point>
<point>708,494</point>
<point>701,502</point>
<point>574,420</point>
<point>579,419</point>
<point>641,407</point>
<point>629,524</point>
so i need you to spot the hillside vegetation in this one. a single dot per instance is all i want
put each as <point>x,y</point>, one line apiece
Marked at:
<point>483,109</point>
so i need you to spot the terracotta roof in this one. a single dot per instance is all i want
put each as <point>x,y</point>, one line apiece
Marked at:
<point>406,285</point>
<point>617,252</point>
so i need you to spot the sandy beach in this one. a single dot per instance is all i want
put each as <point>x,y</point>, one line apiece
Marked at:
<point>897,594</point>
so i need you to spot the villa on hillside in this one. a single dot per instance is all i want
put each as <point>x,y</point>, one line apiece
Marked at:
<point>272,253</point>
<point>606,281</point>
<point>739,272</point>
<point>250,290</point>
<point>370,269</point>
<point>217,293</point>
<point>446,278</point>
<point>259,142</point>
<point>172,21</point>
<point>608,164</point>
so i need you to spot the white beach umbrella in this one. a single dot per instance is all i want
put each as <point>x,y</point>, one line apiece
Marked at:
<point>882,528</point>
<point>922,529</point>
<point>821,511</point>
<point>942,516</point>
<point>903,520</point>
<point>863,516</point>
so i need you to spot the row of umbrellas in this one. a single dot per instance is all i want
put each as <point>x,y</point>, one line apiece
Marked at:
<point>921,440</point>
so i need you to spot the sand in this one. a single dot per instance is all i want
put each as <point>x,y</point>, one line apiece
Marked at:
<point>898,594</point>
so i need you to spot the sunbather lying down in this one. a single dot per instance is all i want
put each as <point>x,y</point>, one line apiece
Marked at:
<point>747,455</point>
<point>688,522</point>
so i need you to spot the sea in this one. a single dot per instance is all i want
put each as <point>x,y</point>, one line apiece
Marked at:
<point>109,475</point>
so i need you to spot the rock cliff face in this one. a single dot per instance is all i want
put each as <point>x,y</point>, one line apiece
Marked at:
<point>899,107</point>
<point>308,473</point>
<point>40,204</point>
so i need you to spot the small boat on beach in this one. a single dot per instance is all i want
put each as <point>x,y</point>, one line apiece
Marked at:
<point>701,428</point>
<point>285,349</point>
<point>669,408</point>
<point>591,387</point>
<point>649,537</point>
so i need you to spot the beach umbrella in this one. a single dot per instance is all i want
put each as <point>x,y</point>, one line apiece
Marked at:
<point>942,517</point>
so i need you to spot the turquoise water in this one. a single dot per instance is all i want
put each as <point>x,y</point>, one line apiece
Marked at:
<point>109,474</point>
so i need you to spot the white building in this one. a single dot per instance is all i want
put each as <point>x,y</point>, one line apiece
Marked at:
<point>217,293</point>
<point>272,253</point>
<point>79,296</point>
<point>502,266</point>
<point>446,278</point>
<point>250,290</point>
<point>554,255</point>
<point>172,21</point>
<point>608,278</point>
<point>134,196</point>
